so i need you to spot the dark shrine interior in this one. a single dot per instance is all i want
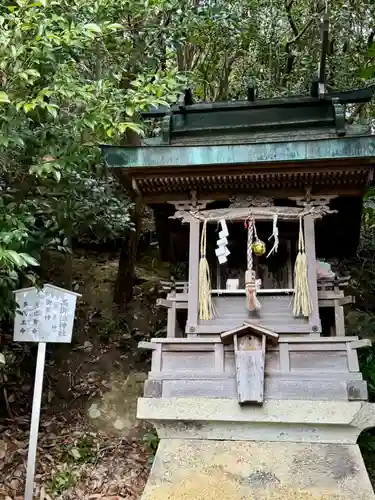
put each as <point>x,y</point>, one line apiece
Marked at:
<point>332,243</point>
<point>332,232</point>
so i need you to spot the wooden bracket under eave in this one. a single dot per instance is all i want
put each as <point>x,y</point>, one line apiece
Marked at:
<point>249,342</point>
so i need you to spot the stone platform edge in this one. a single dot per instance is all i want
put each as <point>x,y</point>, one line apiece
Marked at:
<point>277,420</point>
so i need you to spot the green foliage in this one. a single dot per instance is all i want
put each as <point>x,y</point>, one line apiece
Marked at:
<point>61,481</point>
<point>361,319</point>
<point>109,326</point>
<point>369,210</point>
<point>69,79</point>
<point>151,441</point>
<point>367,365</point>
<point>75,73</point>
<point>81,451</point>
<point>366,442</point>
<point>15,248</point>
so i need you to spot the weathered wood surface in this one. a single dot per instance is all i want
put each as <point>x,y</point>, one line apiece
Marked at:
<point>219,358</point>
<point>325,298</point>
<point>305,361</point>
<point>284,360</point>
<point>321,368</point>
<point>292,325</point>
<point>353,364</point>
<point>249,353</point>
<point>227,337</point>
<point>309,230</point>
<point>316,361</point>
<point>328,287</point>
<point>259,213</point>
<point>290,340</point>
<point>172,322</point>
<point>275,315</point>
<point>260,330</point>
<point>203,376</point>
<point>193,360</point>
<point>250,376</point>
<point>358,344</point>
<point>339,319</point>
<point>156,358</point>
<point>314,389</point>
<point>146,345</point>
<point>193,293</point>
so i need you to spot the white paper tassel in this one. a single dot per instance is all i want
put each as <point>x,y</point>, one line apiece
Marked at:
<point>275,236</point>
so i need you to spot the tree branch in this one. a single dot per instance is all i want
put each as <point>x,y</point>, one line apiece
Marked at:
<point>297,34</point>
<point>288,7</point>
<point>305,28</point>
<point>98,60</point>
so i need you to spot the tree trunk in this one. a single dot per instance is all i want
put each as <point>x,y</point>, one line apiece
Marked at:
<point>126,268</point>
<point>128,253</point>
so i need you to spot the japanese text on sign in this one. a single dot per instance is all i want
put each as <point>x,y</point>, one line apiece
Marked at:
<point>45,315</point>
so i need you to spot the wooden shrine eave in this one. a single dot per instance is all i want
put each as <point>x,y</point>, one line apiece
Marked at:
<point>345,162</point>
<point>340,181</point>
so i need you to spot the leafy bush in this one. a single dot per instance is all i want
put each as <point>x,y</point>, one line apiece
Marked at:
<point>67,83</point>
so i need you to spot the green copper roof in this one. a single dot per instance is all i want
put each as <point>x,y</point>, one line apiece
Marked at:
<point>232,154</point>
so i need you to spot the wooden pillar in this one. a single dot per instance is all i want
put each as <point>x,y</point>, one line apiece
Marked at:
<point>339,319</point>
<point>171,321</point>
<point>192,318</point>
<point>309,230</point>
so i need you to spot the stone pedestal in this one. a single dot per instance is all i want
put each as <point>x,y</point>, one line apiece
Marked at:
<point>214,449</point>
<point>194,469</point>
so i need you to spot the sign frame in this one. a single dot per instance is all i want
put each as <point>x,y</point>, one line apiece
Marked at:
<point>38,320</point>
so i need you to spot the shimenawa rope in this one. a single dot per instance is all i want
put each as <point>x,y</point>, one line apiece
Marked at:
<point>252,301</point>
<point>302,305</point>
<point>206,306</point>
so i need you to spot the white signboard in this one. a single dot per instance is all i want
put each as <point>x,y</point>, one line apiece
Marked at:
<point>45,315</point>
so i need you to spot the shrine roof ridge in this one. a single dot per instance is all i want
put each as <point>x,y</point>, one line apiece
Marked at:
<point>356,96</point>
<point>245,119</point>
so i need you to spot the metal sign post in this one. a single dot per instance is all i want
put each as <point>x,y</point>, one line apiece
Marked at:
<point>45,315</point>
<point>34,427</point>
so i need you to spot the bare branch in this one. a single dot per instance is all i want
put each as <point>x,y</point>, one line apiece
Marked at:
<point>288,7</point>
<point>298,34</point>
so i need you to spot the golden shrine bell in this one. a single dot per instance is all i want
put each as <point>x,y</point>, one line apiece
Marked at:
<point>258,247</point>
